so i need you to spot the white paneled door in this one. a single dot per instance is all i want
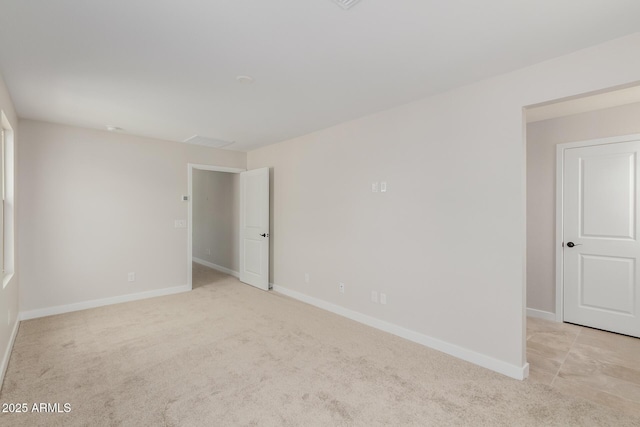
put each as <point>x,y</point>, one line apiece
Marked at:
<point>600,234</point>
<point>254,228</point>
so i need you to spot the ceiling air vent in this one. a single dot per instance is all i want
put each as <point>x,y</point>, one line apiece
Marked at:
<point>346,4</point>
<point>207,142</point>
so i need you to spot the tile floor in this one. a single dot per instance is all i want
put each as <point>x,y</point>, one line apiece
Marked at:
<point>598,366</point>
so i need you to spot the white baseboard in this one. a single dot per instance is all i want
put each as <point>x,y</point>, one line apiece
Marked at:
<point>216,267</point>
<point>60,309</point>
<point>540,314</point>
<point>513,371</point>
<point>7,353</point>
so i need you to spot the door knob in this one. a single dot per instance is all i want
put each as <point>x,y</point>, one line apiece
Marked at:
<point>265,235</point>
<point>571,244</point>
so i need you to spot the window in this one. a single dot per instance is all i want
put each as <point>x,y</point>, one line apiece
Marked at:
<point>7,219</point>
<point>2,190</point>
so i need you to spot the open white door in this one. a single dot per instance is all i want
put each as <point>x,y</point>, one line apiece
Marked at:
<point>254,228</point>
<point>601,246</point>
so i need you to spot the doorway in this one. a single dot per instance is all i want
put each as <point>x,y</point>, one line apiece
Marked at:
<point>252,194</point>
<point>595,116</point>
<point>575,360</point>
<point>213,226</point>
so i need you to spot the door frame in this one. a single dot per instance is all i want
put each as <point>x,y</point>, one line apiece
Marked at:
<point>560,150</point>
<point>190,168</point>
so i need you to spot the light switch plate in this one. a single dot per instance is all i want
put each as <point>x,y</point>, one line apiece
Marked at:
<point>383,187</point>
<point>374,187</point>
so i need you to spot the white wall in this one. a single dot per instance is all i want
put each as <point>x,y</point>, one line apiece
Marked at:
<point>9,294</point>
<point>216,210</point>
<point>446,243</point>
<point>542,138</point>
<point>98,205</point>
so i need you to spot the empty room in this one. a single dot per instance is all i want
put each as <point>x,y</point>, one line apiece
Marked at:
<point>330,212</point>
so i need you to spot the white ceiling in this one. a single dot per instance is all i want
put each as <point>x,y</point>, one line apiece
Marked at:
<point>167,69</point>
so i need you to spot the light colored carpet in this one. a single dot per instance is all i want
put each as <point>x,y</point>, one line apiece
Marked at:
<point>227,354</point>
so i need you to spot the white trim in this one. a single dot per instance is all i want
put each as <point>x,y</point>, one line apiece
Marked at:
<point>600,141</point>
<point>513,371</point>
<point>190,168</point>
<point>216,267</point>
<point>60,309</point>
<point>7,353</point>
<point>541,314</point>
<point>214,168</point>
<point>560,149</point>
<point>559,232</point>
<point>523,231</point>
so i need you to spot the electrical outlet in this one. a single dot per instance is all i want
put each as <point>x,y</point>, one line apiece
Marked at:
<point>374,296</point>
<point>383,298</point>
<point>306,277</point>
<point>341,287</point>
<point>131,277</point>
